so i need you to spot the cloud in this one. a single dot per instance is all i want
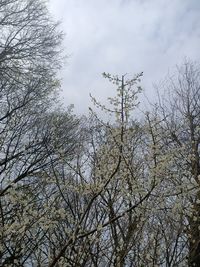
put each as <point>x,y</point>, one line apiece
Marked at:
<point>123,36</point>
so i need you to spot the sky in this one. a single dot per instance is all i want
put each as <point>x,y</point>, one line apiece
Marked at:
<point>123,36</point>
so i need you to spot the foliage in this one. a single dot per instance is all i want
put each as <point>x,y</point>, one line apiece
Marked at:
<point>87,191</point>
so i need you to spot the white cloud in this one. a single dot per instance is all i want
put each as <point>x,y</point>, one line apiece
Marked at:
<point>123,36</point>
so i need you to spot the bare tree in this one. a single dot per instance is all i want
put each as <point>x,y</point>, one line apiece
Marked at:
<point>34,133</point>
<point>179,115</point>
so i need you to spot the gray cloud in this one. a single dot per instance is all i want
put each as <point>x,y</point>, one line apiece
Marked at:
<point>123,36</point>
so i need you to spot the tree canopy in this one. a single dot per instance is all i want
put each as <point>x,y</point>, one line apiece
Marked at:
<point>88,191</point>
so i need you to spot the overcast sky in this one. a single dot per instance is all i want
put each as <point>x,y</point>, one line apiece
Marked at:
<point>123,36</point>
